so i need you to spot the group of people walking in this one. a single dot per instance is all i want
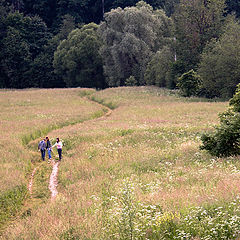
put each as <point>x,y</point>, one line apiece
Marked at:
<point>45,144</point>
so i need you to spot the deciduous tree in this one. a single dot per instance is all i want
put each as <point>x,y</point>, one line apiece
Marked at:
<point>131,35</point>
<point>77,59</point>
<point>197,22</point>
<point>23,39</point>
<point>220,63</point>
<point>159,68</point>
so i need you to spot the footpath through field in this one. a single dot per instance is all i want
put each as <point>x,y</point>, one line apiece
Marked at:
<point>142,160</point>
<point>53,181</point>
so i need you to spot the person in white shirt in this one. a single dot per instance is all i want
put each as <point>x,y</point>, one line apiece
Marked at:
<point>59,148</point>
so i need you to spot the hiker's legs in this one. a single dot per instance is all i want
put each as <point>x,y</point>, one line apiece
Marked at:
<point>49,153</point>
<point>43,154</point>
<point>60,154</point>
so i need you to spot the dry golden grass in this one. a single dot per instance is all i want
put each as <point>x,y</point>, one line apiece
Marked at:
<point>152,138</point>
<point>24,112</point>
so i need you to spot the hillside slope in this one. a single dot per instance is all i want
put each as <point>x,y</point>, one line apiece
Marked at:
<point>134,171</point>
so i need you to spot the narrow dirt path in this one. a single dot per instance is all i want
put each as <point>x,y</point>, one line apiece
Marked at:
<point>30,185</point>
<point>53,181</point>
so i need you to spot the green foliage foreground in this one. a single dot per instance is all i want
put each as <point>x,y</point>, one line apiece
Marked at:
<point>224,140</point>
<point>125,218</point>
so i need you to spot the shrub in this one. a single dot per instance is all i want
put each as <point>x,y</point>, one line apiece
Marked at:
<point>131,81</point>
<point>189,83</point>
<point>224,140</point>
<point>235,101</point>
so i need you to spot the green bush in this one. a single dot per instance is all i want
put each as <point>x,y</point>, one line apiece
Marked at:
<point>131,81</point>
<point>225,139</point>
<point>235,101</point>
<point>189,83</point>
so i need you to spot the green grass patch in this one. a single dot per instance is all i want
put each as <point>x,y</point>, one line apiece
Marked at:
<point>11,202</point>
<point>103,102</point>
<point>27,138</point>
<point>84,93</point>
<point>70,234</point>
<point>124,132</point>
<point>41,181</point>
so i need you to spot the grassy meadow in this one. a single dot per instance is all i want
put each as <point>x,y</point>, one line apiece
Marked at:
<point>137,173</point>
<point>27,115</point>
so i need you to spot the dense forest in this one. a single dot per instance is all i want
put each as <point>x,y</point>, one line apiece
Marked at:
<point>193,45</point>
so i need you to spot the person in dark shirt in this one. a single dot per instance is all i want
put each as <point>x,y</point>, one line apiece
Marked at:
<point>49,149</point>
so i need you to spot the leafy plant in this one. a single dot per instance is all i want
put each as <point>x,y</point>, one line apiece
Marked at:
<point>235,100</point>
<point>189,83</point>
<point>131,81</point>
<point>224,140</point>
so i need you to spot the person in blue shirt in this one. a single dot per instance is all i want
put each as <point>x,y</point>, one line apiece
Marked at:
<point>42,148</point>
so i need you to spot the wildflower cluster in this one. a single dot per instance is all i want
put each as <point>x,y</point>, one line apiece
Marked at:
<point>129,219</point>
<point>126,218</point>
<point>220,222</point>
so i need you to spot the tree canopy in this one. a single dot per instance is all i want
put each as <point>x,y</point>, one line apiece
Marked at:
<point>197,22</point>
<point>151,42</point>
<point>220,63</point>
<point>131,36</point>
<point>23,39</point>
<point>77,59</point>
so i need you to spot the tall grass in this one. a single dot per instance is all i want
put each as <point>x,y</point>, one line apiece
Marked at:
<point>29,114</point>
<point>11,202</point>
<point>103,102</point>
<point>26,116</point>
<point>138,174</point>
<point>125,218</point>
<point>27,138</point>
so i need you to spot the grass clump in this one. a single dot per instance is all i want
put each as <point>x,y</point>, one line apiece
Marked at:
<point>11,202</point>
<point>103,102</point>
<point>41,182</point>
<point>86,92</point>
<point>124,132</point>
<point>70,234</point>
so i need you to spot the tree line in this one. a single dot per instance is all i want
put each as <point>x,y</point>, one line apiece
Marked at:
<point>193,45</point>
